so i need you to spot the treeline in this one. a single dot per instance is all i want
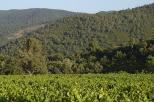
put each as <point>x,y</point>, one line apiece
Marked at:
<point>31,59</point>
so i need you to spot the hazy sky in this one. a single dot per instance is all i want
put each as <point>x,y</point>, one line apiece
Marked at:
<point>90,6</point>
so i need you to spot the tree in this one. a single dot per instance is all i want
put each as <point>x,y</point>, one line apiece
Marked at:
<point>2,61</point>
<point>61,66</point>
<point>105,62</point>
<point>31,57</point>
<point>120,55</point>
<point>150,63</point>
<point>9,65</point>
<point>132,42</point>
<point>94,46</point>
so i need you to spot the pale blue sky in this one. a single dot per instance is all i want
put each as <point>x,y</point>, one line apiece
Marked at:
<point>90,6</point>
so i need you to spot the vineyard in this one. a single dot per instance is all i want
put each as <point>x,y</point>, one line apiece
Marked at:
<point>78,88</point>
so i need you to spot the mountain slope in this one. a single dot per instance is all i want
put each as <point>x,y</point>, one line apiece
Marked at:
<point>109,30</point>
<point>98,43</point>
<point>11,21</point>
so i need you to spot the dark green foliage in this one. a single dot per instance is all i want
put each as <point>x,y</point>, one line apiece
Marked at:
<point>109,30</point>
<point>100,43</point>
<point>9,65</point>
<point>132,60</point>
<point>150,63</point>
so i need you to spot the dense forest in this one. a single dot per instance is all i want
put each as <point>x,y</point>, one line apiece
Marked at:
<point>86,43</point>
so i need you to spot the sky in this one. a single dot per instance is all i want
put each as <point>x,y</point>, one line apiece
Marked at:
<point>88,6</point>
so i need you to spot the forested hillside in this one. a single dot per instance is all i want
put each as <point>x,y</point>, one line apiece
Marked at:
<point>96,43</point>
<point>11,21</point>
